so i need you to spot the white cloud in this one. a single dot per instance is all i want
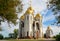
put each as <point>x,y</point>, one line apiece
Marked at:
<point>56,30</point>
<point>44,28</point>
<point>38,5</point>
<point>48,18</point>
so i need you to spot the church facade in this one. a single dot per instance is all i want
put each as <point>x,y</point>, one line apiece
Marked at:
<point>30,26</point>
<point>49,32</point>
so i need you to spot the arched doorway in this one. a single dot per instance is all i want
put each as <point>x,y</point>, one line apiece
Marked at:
<point>37,32</point>
<point>37,25</point>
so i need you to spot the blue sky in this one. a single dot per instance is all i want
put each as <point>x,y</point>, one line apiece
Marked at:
<point>39,6</point>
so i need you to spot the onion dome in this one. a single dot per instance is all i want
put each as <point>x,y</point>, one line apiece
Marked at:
<point>49,28</point>
<point>38,15</point>
<point>22,17</point>
<point>29,10</point>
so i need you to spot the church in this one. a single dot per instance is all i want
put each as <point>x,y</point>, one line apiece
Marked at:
<point>30,26</point>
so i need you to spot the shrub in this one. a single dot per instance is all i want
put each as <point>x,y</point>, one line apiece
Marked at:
<point>54,36</point>
<point>58,37</point>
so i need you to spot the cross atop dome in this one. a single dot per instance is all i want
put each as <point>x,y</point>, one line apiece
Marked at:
<point>30,2</point>
<point>29,10</point>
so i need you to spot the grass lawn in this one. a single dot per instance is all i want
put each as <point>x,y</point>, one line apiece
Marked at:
<point>29,40</point>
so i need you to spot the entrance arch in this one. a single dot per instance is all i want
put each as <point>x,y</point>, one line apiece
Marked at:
<point>38,30</point>
<point>37,25</point>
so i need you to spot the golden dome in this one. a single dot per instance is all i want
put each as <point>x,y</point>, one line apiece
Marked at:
<point>38,15</point>
<point>29,10</point>
<point>22,17</point>
<point>48,28</point>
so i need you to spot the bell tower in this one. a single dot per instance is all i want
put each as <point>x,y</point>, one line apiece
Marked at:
<point>28,21</point>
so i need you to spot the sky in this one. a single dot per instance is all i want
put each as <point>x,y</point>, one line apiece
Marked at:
<point>39,6</point>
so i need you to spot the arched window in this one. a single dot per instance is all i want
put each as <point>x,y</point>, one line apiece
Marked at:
<point>34,24</point>
<point>27,33</point>
<point>37,24</point>
<point>27,17</point>
<point>22,24</point>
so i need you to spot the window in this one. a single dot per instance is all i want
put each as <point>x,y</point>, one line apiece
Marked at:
<point>27,17</point>
<point>34,24</point>
<point>27,33</point>
<point>22,24</point>
<point>37,24</point>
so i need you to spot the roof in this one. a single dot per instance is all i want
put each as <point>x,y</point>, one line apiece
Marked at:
<point>49,28</point>
<point>22,17</point>
<point>38,15</point>
<point>29,10</point>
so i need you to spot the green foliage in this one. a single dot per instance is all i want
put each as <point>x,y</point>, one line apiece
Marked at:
<point>8,10</point>
<point>6,38</point>
<point>14,35</point>
<point>55,5</point>
<point>11,35</point>
<point>1,36</point>
<point>58,37</point>
<point>54,36</point>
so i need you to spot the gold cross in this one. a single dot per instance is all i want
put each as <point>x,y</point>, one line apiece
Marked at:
<point>30,2</point>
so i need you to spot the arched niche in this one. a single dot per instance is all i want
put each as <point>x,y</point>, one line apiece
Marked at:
<point>37,26</point>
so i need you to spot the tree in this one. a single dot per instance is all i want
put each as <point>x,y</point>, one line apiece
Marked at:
<point>8,10</point>
<point>1,36</point>
<point>11,35</point>
<point>14,35</point>
<point>58,37</point>
<point>55,6</point>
